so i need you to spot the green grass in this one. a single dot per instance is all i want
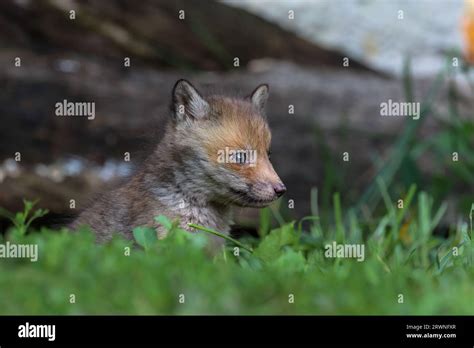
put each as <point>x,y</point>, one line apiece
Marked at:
<point>402,257</point>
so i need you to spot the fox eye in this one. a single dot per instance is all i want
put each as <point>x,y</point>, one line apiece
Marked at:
<point>241,158</point>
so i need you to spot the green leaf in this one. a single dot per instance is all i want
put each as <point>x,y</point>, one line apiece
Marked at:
<point>145,236</point>
<point>290,261</point>
<point>269,248</point>
<point>163,220</point>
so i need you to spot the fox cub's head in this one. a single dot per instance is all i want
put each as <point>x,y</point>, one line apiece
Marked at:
<point>224,146</point>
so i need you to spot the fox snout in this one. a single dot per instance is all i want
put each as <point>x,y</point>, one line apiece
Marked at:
<point>267,175</point>
<point>279,188</point>
<point>268,191</point>
<point>261,194</point>
<point>267,188</point>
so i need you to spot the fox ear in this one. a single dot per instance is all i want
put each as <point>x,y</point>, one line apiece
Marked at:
<point>259,97</point>
<point>187,102</point>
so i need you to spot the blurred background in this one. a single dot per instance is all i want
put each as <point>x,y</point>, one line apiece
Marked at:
<point>329,64</point>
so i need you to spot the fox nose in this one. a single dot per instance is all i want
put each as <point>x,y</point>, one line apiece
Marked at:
<point>279,188</point>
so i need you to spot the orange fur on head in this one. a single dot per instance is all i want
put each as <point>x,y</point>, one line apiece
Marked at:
<point>238,126</point>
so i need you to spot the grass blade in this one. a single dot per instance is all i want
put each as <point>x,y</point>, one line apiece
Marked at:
<point>230,239</point>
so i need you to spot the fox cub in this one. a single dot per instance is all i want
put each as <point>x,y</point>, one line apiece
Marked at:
<point>214,154</point>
